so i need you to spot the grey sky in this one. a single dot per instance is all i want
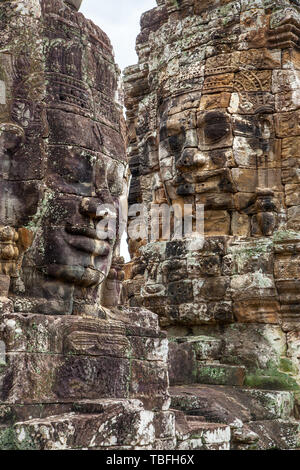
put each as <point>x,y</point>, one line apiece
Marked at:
<point>120,19</point>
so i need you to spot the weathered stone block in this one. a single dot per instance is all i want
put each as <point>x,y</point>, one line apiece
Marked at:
<point>149,349</point>
<point>180,292</point>
<point>292,192</point>
<point>277,435</point>
<point>250,286</point>
<point>230,405</point>
<point>164,423</point>
<point>206,436</point>
<point>246,178</point>
<point>287,267</point>
<point>214,288</point>
<point>216,223</point>
<point>253,345</point>
<point>257,310</point>
<point>185,352</point>
<point>25,333</point>
<point>204,266</point>
<point>193,313</point>
<point>148,379</point>
<point>293,216</point>
<point>124,424</point>
<point>220,374</point>
<point>287,124</point>
<point>32,378</point>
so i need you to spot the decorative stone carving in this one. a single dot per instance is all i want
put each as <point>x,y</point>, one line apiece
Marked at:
<point>66,147</point>
<point>212,119</point>
<point>68,352</point>
<point>222,80</point>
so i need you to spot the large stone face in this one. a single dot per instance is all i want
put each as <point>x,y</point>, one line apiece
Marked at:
<point>69,357</point>
<point>213,111</point>
<point>210,124</point>
<point>63,152</point>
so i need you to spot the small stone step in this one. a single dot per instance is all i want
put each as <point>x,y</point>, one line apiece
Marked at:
<point>122,424</point>
<point>227,404</point>
<point>220,374</point>
<point>258,419</point>
<point>281,381</point>
<point>276,434</point>
<point>194,434</point>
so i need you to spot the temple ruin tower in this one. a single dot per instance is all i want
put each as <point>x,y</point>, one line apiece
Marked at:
<point>213,110</point>
<point>76,371</point>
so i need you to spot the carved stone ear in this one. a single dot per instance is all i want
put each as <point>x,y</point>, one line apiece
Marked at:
<point>113,286</point>
<point>74,3</point>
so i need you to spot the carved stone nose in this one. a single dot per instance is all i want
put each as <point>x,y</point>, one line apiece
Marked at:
<point>191,158</point>
<point>186,159</point>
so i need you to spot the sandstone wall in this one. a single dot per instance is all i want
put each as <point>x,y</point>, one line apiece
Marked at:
<point>212,110</point>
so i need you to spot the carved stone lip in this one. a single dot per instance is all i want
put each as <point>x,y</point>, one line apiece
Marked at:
<point>88,232</point>
<point>86,239</point>
<point>94,247</point>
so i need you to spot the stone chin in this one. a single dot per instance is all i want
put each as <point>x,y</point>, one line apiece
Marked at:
<point>76,4</point>
<point>77,275</point>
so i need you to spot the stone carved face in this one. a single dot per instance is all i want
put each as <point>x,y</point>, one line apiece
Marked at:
<point>80,181</point>
<point>218,107</point>
<point>22,130</point>
<point>190,165</point>
<point>219,148</point>
<point>221,101</point>
<point>62,152</point>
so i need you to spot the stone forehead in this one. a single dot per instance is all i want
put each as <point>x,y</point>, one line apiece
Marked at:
<point>179,42</point>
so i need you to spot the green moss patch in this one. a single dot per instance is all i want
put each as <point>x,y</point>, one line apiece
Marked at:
<point>271,379</point>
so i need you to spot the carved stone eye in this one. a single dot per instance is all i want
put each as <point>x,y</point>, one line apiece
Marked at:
<point>216,126</point>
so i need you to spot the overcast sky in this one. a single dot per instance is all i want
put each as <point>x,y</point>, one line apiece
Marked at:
<point>120,19</point>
